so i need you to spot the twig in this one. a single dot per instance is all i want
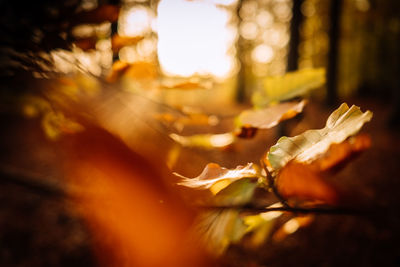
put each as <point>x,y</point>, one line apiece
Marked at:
<point>271,184</point>
<point>316,210</point>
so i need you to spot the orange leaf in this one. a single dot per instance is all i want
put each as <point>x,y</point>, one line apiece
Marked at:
<point>117,41</point>
<point>304,181</point>
<point>339,154</point>
<point>117,70</point>
<point>298,181</point>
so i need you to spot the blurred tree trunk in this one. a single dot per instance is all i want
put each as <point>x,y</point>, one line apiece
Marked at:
<point>297,17</point>
<point>334,35</point>
<point>240,48</point>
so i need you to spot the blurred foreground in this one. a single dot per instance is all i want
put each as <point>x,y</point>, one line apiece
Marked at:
<point>52,215</point>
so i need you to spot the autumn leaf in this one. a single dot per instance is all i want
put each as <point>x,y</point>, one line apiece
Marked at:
<point>298,181</point>
<point>213,173</point>
<point>205,141</point>
<point>268,117</point>
<point>299,162</point>
<point>224,226</point>
<point>118,41</point>
<point>288,86</point>
<point>247,123</point>
<point>219,228</point>
<point>341,124</point>
<point>261,225</point>
<point>239,192</point>
<point>305,181</point>
<point>339,154</point>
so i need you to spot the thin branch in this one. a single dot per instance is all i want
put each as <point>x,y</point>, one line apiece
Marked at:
<point>271,184</point>
<point>316,210</point>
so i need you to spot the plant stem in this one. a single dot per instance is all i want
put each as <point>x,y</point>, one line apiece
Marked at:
<point>271,184</point>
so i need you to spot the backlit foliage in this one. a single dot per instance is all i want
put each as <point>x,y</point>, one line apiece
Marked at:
<point>293,170</point>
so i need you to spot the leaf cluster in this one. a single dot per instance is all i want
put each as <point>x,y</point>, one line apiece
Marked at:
<point>291,175</point>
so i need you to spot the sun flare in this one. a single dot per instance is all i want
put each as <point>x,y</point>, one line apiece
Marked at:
<point>195,38</point>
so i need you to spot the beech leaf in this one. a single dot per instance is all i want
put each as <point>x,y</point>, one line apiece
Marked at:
<point>306,181</point>
<point>214,173</point>
<point>239,192</point>
<point>269,117</point>
<point>341,124</point>
<point>207,141</point>
<point>290,85</point>
<point>219,228</point>
<point>301,182</point>
<point>261,225</point>
<point>338,154</point>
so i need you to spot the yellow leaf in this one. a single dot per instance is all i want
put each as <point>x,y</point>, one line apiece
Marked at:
<point>213,173</point>
<point>205,141</point>
<point>288,86</point>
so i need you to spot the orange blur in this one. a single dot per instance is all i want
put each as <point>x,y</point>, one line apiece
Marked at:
<point>134,220</point>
